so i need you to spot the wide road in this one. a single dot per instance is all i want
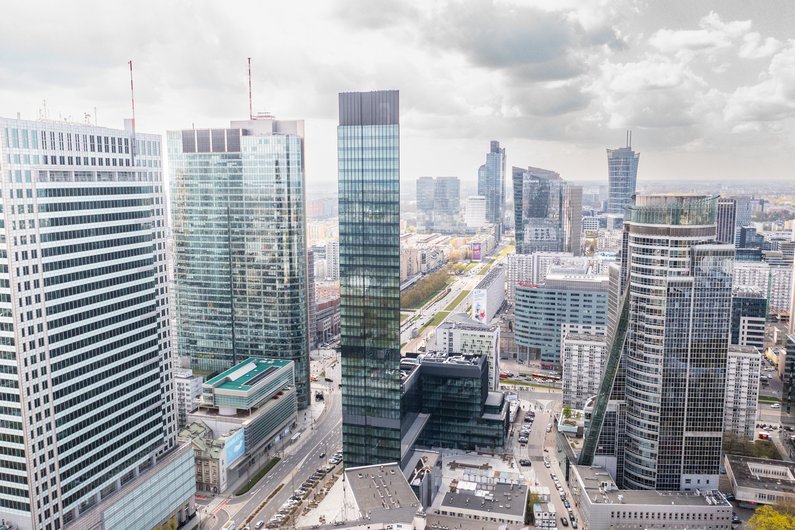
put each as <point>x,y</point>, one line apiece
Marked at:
<point>295,468</point>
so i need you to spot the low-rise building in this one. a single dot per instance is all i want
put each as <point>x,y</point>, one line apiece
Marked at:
<point>743,368</point>
<point>757,481</point>
<point>188,388</point>
<point>461,334</point>
<point>605,507</point>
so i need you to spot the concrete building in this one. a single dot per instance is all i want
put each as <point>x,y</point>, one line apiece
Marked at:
<point>86,366</point>
<point>332,261</point>
<point>743,367</point>
<point>774,281</point>
<point>240,244</point>
<point>533,268</point>
<point>606,507</point>
<point>242,413</point>
<point>475,211</point>
<point>188,388</point>
<point>759,481</point>
<point>582,358</point>
<point>488,296</point>
<point>749,316</point>
<point>568,295</point>
<point>461,334</point>
<point>622,177</point>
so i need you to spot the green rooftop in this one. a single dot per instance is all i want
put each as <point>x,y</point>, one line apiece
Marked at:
<point>246,374</point>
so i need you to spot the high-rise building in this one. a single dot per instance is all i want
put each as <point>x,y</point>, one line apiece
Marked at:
<point>727,219</point>
<point>439,203</point>
<point>743,367</point>
<point>582,359</point>
<point>475,214</point>
<point>86,367</point>
<point>333,261</point>
<point>749,315</point>
<point>311,301</point>
<point>368,147</point>
<point>547,212</point>
<point>425,193</point>
<point>673,364</point>
<point>240,249</point>
<point>491,184</point>
<point>622,177</point>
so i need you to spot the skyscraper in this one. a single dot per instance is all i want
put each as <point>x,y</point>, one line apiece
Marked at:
<point>368,143</point>
<point>240,250</point>
<point>674,328</point>
<point>491,184</point>
<point>86,380</point>
<point>439,203</point>
<point>547,212</point>
<point>622,176</point>
<point>727,219</point>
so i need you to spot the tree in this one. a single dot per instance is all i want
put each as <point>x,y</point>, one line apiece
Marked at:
<point>768,518</point>
<point>532,498</point>
<point>567,412</point>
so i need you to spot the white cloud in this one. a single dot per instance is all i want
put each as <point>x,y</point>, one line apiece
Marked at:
<point>714,34</point>
<point>754,47</point>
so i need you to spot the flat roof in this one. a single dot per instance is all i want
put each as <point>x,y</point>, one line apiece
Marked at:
<point>245,375</point>
<point>507,499</point>
<point>772,475</point>
<point>381,488</point>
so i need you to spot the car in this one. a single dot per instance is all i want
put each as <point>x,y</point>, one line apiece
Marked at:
<point>736,520</point>
<point>564,521</point>
<point>547,465</point>
<point>566,504</point>
<point>259,524</point>
<point>775,406</point>
<point>571,515</point>
<point>574,524</point>
<point>524,462</point>
<point>328,379</point>
<point>322,454</point>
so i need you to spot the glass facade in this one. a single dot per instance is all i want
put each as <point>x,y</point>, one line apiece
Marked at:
<point>622,176</point>
<point>368,140</point>
<point>491,184</point>
<point>239,245</point>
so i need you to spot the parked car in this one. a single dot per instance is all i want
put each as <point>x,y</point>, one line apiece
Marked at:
<point>564,521</point>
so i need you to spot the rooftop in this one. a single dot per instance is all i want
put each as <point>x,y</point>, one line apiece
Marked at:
<point>508,499</point>
<point>464,321</point>
<point>245,375</point>
<point>495,273</point>
<point>770,475</point>
<point>381,488</point>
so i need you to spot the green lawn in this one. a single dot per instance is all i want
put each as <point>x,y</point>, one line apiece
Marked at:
<point>507,250</point>
<point>458,299</point>
<point>769,399</point>
<point>404,315</point>
<point>256,478</point>
<point>471,266</point>
<point>436,320</point>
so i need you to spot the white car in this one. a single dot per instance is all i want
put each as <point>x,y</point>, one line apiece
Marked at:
<point>775,406</point>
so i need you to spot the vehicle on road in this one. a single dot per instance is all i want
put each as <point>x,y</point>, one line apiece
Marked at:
<point>259,524</point>
<point>564,521</point>
<point>323,454</point>
<point>775,406</point>
<point>329,380</point>
<point>524,462</point>
<point>549,427</point>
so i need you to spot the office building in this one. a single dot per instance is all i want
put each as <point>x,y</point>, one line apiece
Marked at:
<point>674,364</point>
<point>491,185</point>
<point>743,368</point>
<point>311,301</point>
<point>460,334</point>
<point>332,261</point>
<point>240,249</point>
<point>533,268</point>
<point>85,341</point>
<point>547,212</point>
<point>243,412</point>
<point>583,359</point>
<point>439,203</point>
<point>475,212</point>
<point>787,372</point>
<point>188,388</point>
<point>749,315</point>
<point>761,481</point>
<point>567,296</point>
<point>368,143</point>
<point>727,220</point>
<point>622,177</point>
<point>488,296</point>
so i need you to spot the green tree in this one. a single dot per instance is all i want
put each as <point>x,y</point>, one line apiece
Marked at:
<point>768,518</point>
<point>567,412</point>
<point>532,498</point>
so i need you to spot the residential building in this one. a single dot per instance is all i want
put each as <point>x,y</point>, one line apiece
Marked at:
<point>327,314</point>
<point>749,315</point>
<point>583,359</point>
<point>475,211</point>
<point>242,413</point>
<point>775,281</point>
<point>491,185</point>
<point>567,296</point>
<point>760,481</point>
<point>488,296</point>
<point>332,261</point>
<point>369,208</point>
<point>86,364</point>
<point>547,212</point>
<point>743,368</point>
<point>727,219</point>
<point>188,389</point>
<point>240,248</point>
<point>622,177</point>
<point>461,334</point>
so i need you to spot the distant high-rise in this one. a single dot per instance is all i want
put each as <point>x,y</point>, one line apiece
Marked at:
<point>368,147</point>
<point>491,184</point>
<point>475,215</point>
<point>439,203</point>
<point>86,368</point>
<point>333,260</point>
<point>727,219</point>
<point>547,212</point>
<point>240,249</point>
<point>622,176</point>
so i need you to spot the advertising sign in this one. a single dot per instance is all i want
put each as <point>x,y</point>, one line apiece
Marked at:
<point>235,446</point>
<point>479,305</point>
<point>476,256</point>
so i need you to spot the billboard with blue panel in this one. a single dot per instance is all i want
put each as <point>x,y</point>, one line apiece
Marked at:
<point>235,446</point>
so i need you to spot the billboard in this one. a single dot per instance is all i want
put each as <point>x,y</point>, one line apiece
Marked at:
<point>479,305</point>
<point>476,256</point>
<point>235,446</point>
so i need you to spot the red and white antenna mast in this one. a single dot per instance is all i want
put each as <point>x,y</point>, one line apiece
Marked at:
<point>250,106</point>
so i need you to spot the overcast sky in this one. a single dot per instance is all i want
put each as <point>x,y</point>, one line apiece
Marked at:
<point>708,87</point>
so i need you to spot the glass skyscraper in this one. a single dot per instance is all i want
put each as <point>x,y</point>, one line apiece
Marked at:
<point>491,184</point>
<point>622,177</point>
<point>239,245</point>
<point>368,142</point>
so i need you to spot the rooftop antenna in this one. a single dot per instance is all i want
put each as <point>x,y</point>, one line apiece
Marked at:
<point>132,102</point>
<point>627,138</point>
<point>630,139</point>
<point>250,106</point>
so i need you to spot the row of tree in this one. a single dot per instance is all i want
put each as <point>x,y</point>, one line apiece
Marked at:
<point>422,291</point>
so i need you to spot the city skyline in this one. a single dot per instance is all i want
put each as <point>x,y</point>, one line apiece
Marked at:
<point>592,73</point>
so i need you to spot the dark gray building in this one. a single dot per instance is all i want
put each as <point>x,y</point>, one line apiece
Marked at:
<point>622,177</point>
<point>727,220</point>
<point>749,315</point>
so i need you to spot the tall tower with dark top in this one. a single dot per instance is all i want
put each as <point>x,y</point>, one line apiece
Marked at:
<point>368,149</point>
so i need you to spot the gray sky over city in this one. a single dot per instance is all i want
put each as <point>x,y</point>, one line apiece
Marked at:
<point>707,87</point>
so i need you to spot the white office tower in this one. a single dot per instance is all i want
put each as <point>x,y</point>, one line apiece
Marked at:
<point>87,413</point>
<point>475,214</point>
<point>744,365</point>
<point>461,334</point>
<point>333,261</point>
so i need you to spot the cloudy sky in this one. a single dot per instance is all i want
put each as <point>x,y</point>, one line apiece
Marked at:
<point>708,87</point>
